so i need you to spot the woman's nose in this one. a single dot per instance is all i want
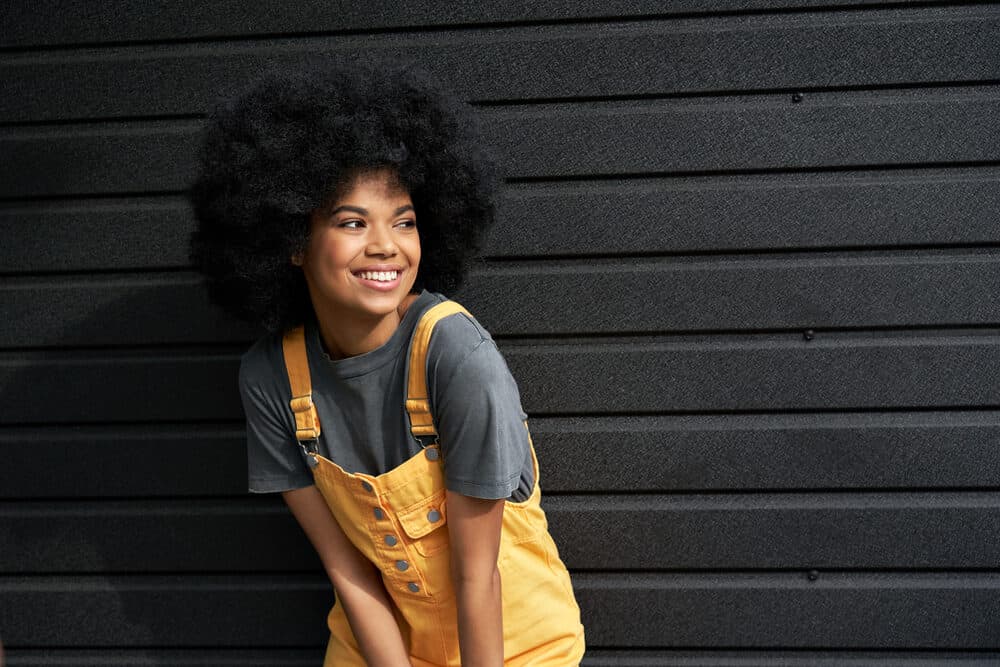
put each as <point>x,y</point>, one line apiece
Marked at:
<point>381,242</point>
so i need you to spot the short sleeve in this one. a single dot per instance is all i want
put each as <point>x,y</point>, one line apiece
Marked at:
<point>273,459</point>
<point>480,423</point>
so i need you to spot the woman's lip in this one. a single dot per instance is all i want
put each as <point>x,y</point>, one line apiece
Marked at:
<point>381,285</point>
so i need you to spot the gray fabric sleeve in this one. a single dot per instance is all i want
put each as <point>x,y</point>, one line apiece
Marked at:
<point>273,459</point>
<point>480,423</point>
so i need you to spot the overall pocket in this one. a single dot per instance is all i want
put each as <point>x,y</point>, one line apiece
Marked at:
<point>423,522</point>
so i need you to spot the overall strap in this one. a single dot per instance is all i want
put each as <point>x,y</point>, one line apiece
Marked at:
<point>293,344</point>
<point>417,402</point>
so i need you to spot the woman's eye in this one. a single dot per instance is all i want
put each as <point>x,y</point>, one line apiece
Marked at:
<point>351,224</point>
<point>406,223</point>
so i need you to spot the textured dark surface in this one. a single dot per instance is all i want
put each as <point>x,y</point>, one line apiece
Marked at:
<point>166,657</point>
<point>746,213</point>
<point>761,531</point>
<point>775,373</point>
<point>846,610</point>
<point>594,658</point>
<point>760,355</point>
<point>769,132</point>
<point>666,454</point>
<point>605,58</point>
<point>583,297</point>
<point>141,233</point>
<point>29,24</point>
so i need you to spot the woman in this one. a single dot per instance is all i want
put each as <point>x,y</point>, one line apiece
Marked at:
<point>334,207</point>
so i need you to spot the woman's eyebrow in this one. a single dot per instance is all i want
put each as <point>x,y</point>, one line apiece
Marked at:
<point>352,209</point>
<point>364,211</point>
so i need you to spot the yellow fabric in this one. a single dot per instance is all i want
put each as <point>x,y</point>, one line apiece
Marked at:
<point>541,619</point>
<point>417,402</point>
<point>306,419</point>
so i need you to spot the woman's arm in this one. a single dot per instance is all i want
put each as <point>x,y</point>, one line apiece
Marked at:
<point>474,530</point>
<point>357,582</point>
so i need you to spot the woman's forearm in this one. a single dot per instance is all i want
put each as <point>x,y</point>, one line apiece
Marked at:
<point>370,613</point>
<point>358,584</point>
<point>474,526</point>
<point>480,620</point>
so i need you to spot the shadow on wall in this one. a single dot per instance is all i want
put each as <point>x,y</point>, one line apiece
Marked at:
<point>125,464</point>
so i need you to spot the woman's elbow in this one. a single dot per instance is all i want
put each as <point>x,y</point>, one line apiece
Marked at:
<point>470,577</point>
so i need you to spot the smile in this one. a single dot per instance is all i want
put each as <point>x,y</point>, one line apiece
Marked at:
<point>383,281</point>
<point>380,276</point>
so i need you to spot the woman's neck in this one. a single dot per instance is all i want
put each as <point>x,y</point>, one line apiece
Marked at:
<point>348,337</point>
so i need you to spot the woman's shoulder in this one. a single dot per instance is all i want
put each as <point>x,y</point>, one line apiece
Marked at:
<point>260,365</point>
<point>459,338</point>
<point>457,333</point>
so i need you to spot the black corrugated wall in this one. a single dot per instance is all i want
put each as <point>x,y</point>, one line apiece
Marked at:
<point>747,274</point>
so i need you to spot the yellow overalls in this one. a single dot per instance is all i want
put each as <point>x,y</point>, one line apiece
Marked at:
<point>397,520</point>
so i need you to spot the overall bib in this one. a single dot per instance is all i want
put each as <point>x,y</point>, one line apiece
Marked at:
<point>398,520</point>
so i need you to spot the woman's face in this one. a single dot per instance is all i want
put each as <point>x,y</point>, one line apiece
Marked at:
<point>363,250</point>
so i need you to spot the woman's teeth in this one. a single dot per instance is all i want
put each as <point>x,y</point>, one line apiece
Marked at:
<point>382,276</point>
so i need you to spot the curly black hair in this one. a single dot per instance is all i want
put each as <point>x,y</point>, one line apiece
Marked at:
<point>280,150</point>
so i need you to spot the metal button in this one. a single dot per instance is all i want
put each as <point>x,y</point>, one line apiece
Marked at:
<point>402,565</point>
<point>366,486</point>
<point>434,516</point>
<point>413,587</point>
<point>379,514</point>
<point>391,540</point>
<point>431,454</point>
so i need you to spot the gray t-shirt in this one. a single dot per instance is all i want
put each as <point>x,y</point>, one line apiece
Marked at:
<point>474,401</point>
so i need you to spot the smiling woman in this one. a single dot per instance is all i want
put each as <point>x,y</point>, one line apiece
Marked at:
<point>361,260</point>
<point>275,157</point>
<point>333,208</point>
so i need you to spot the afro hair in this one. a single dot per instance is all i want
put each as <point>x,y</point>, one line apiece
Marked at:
<point>283,148</point>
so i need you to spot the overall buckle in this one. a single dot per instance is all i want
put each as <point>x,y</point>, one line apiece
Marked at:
<point>426,440</point>
<point>309,449</point>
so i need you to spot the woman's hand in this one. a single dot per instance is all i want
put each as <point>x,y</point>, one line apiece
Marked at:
<point>474,530</point>
<point>355,579</point>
